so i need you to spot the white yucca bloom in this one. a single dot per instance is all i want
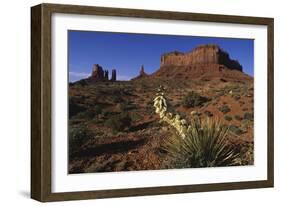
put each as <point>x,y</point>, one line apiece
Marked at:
<point>175,121</point>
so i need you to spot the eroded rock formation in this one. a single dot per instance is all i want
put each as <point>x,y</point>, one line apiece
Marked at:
<point>106,74</point>
<point>205,54</point>
<point>141,74</point>
<point>98,74</point>
<point>113,75</point>
<point>205,62</point>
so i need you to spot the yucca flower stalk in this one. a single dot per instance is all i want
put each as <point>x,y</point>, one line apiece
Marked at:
<point>175,121</point>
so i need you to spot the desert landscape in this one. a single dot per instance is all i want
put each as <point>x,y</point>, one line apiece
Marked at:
<point>120,125</point>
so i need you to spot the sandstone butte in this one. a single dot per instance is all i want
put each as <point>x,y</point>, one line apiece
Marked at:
<point>98,74</point>
<point>203,62</point>
<point>142,74</point>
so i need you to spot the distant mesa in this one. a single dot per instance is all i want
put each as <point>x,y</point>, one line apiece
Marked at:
<point>204,54</point>
<point>98,74</point>
<point>203,62</point>
<point>142,73</point>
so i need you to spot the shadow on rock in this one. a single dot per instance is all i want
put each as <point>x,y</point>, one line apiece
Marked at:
<point>110,148</point>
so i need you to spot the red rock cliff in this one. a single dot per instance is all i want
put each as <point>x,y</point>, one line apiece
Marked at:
<point>205,54</point>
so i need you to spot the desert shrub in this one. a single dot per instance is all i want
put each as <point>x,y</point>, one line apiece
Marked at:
<point>125,106</point>
<point>122,106</point>
<point>119,122</point>
<point>106,113</point>
<point>149,110</point>
<point>116,98</point>
<point>246,123</point>
<point>238,117</point>
<point>228,118</point>
<point>98,109</point>
<point>135,116</point>
<point>249,116</point>
<point>224,109</point>
<point>246,154</point>
<point>205,145</point>
<point>235,130</point>
<point>193,99</point>
<point>74,108</point>
<point>131,106</point>
<point>77,137</point>
<point>88,114</point>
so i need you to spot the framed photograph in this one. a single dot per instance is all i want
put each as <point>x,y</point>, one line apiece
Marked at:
<point>132,102</point>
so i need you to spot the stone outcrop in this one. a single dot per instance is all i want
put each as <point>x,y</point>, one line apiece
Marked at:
<point>106,74</point>
<point>98,74</point>
<point>113,75</point>
<point>205,54</point>
<point>142,73</point>
<point>205,62</point>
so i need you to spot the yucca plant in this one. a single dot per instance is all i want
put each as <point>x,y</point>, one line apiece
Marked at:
<point>205,145</point>
<point>202,143</point>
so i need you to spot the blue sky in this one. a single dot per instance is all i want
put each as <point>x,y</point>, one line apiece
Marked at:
<point>127,52</point>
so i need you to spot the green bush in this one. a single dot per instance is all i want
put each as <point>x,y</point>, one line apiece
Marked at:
<point>245,124</point>
<point>83,115</point>
<point>249,116</point>
<point>116,98</point>
<point>238,117</point>
<point>246,154</point>
<point>119,122</point>
<point>193,99</point>
<point>227,118</point>
<point>125,106</point>
<point>77,137</point>
<point>135,116</point>
<point>98,109</point>
<point>236,130</point>
<point>74,108</point>
<point>205,146</point>
<point>224,109</point>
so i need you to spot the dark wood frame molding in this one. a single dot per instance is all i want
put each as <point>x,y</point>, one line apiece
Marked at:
<point>41,101</point>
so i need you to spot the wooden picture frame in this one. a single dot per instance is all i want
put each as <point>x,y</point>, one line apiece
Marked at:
<point>41,116</point>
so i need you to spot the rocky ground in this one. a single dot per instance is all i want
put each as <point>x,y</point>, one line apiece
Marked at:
<point>113,127</point>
